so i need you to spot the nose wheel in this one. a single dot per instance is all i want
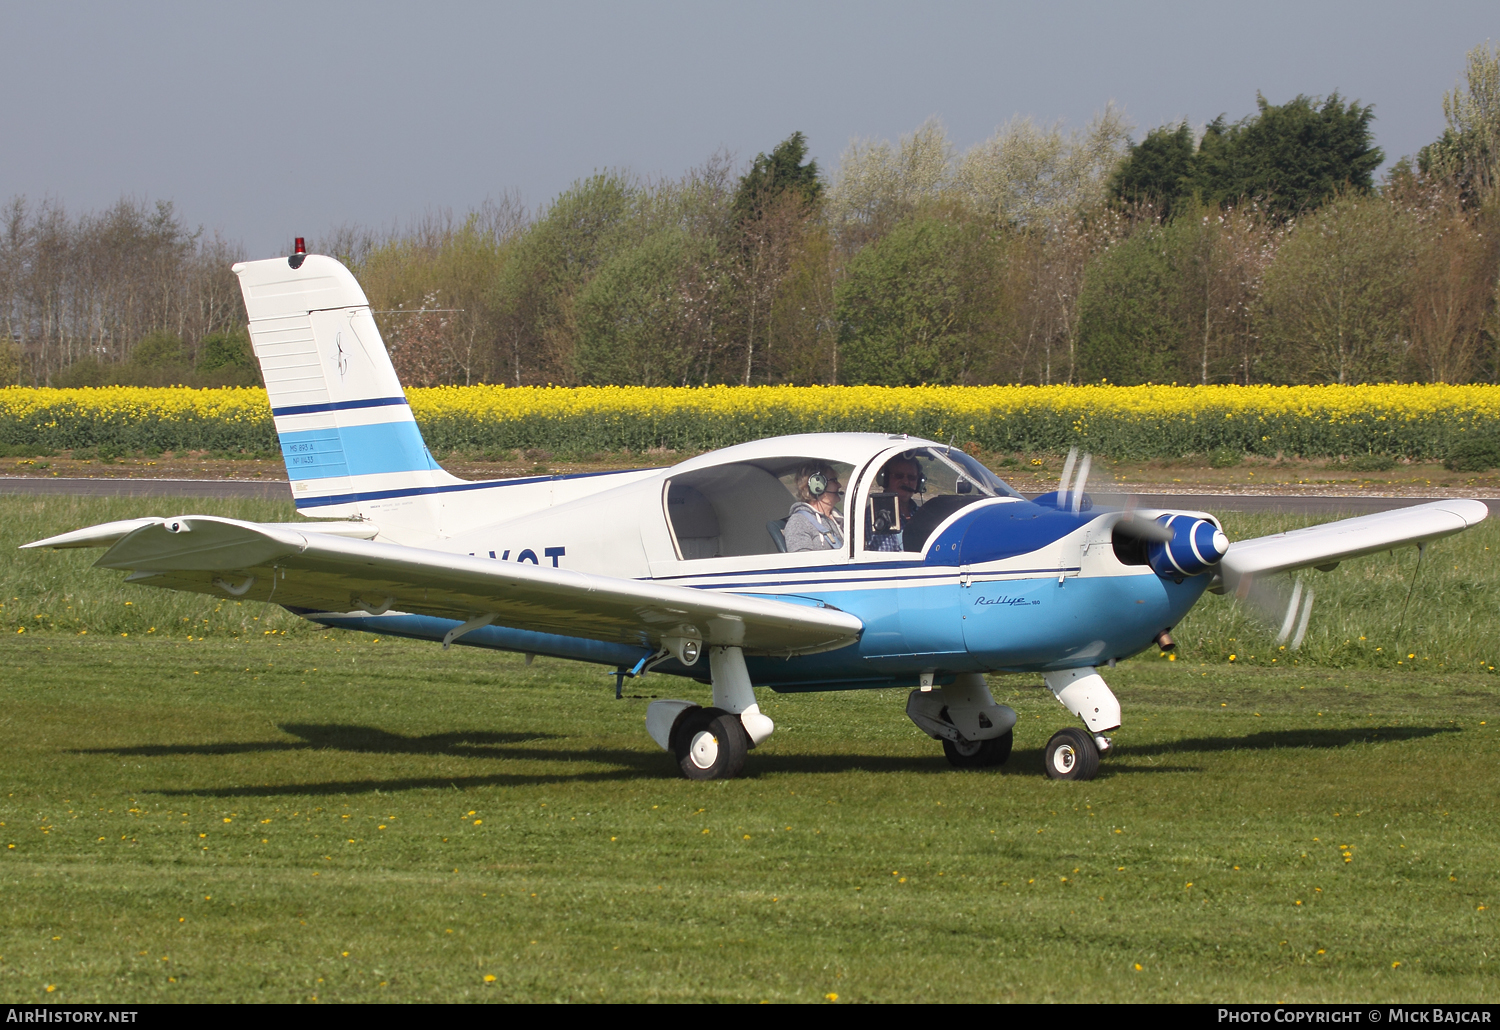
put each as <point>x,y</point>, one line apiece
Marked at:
<point>1071,755</point>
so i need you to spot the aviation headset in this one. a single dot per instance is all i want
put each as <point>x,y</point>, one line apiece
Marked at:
<point>817,484</point>
<point>921,475</point>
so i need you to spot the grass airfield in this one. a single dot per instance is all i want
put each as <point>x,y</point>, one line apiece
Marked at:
<point>217,822</point>
<point>229,805</point>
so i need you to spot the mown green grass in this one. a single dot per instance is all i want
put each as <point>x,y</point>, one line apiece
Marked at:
<point>533,833</point>
<point>223,820</point>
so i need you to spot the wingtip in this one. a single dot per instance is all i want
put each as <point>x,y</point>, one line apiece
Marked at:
<point>1470,510</point>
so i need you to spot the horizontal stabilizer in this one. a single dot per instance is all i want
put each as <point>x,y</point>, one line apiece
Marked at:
<point>321,572</point>
<point>1334,542</point>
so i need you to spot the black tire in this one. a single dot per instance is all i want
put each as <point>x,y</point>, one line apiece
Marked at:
<point>1071,755</point>
<point>979,754</point>
<point>710,744</point>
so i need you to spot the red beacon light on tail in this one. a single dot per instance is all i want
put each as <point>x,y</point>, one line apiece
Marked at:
<point>299,253</point>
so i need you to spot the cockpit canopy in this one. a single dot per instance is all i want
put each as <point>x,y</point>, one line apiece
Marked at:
<point>739,507</point>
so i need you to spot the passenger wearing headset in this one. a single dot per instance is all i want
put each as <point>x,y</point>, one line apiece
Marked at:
<point>813,525</point>
<point>903,477</point>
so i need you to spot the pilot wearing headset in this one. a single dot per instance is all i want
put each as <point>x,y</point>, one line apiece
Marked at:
<point>813,525</point>
<point>903,477</point>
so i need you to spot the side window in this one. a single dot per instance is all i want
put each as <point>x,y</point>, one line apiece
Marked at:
<point>740,508</point>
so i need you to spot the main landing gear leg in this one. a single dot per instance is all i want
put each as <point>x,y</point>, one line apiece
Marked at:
<point>711,743</point>
<point>1071,753</point>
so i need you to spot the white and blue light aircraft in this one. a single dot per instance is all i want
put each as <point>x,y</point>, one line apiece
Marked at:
<point>685,570</point>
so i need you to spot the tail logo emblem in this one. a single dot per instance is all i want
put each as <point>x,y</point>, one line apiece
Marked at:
<point>340,358</point>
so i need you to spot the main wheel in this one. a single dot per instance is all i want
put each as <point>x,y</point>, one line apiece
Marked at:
<point>1072,755</point>
<point>978,754</point>
<point>710,744</point>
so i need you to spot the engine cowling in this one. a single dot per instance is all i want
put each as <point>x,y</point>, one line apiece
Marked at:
<point>1196,546</point>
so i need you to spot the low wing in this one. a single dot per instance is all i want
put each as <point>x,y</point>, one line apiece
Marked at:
<point>1329,544</point>
<point>299,566</point>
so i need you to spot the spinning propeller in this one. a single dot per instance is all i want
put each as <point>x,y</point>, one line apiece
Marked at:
<point>1070,496</point>
<point>1279,602</point>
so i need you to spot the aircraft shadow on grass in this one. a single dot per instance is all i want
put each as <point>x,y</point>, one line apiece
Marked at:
<point>340,737</point>
<point>1273,740</point>
<point>640,764</point>
<point>629,764</point>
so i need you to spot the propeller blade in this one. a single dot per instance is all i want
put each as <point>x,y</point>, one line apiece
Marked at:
<point>1083,477</point>
<point>1067,474</point>
<point>1302,624</point>
<point>1291,614</point>
<point>1277,603</point>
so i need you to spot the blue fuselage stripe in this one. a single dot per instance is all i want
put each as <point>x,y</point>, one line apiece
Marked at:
<point>414,491</point>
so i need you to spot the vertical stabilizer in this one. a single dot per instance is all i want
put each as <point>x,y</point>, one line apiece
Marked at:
<point>351,445</point>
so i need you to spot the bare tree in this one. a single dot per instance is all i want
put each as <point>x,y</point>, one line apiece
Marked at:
<point>90,287</point>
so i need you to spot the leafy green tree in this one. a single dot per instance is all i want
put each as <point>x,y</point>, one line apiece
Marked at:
<point>635,324</point>
<point>802,317</point>
<point>922,304</point>
<point>87,372</point>
<point>551,262</point>
<point>1468,152</point>
<point>1159,170</point>
<point>1295,156</point>
<point>1173,302</point>
<point>434,290</point>
<point>1336,302</point>
<point>226,359</point>
<point>1290,158</point>
<point>1130,328</point>
<point>158,359</point>
<point>770,177</point>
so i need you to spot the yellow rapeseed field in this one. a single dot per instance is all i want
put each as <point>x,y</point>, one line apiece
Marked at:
<point>1401,420</point>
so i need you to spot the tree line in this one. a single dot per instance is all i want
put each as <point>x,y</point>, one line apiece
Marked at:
<point>1256,251</point>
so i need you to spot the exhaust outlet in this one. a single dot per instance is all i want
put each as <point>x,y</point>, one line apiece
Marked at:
<point>1164,641</point>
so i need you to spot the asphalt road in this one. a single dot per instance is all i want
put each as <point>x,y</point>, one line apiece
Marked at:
<point>277,490</point>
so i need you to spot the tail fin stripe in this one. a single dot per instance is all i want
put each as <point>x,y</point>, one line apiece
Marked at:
<point>355,451</point>
<point>366,402</point>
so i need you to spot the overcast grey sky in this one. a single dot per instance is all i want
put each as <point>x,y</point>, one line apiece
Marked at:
<point>267,120</point>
